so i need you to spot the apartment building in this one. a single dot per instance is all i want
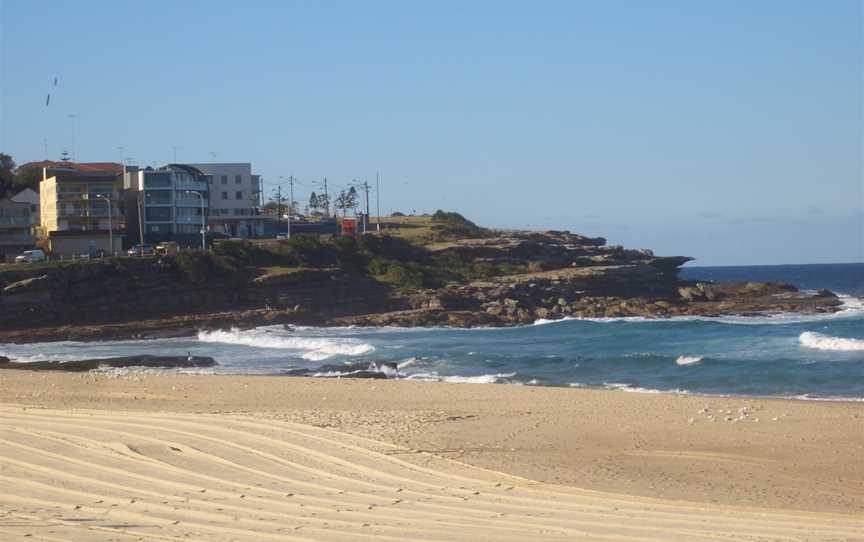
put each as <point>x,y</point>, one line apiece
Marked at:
<point>74,211</point>
<point>19,216</point>
<point>235,198</point>
<point>174,203</point>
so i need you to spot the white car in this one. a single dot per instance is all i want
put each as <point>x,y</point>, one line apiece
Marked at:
<point>30,256</point>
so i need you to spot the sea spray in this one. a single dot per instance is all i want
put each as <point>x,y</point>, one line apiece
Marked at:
<point>315,348</point>
<point>818,341</point>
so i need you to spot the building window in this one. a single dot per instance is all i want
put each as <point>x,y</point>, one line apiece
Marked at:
<point>157,180</point>
<point>158,214</point>
<point>224,179</point>
<point>238,179</point>
<point>157,197</point>
<point>238,194</point>
<point>224,195</point>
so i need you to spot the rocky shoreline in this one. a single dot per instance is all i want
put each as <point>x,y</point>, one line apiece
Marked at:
<point>499,279</point>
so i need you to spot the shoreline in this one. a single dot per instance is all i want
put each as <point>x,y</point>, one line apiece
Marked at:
<point>782,454</point>
<point>190,325</point>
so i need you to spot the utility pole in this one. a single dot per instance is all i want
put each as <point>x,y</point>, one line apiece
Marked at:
<point>377,201</point>
<point>366,216</point>
<point>291,203</point>
<point>278,205</point>
<point>290,180</point>
<point>326,199</point>
<point>174,148</point>
<point>139,198</point>
<point>110,226</point>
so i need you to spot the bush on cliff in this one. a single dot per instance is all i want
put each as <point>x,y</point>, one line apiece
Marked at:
<point>204,267</point>
<point>245,252</point>
<point>446,225</point>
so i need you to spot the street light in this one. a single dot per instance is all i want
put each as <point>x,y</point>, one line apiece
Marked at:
<point>203,238</point>
<point>110,227</point>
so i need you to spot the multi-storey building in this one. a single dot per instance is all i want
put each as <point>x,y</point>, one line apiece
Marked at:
<point>74,211</point>
<point>235,199</point>
<point>174,201</point>
<point>19,216</point>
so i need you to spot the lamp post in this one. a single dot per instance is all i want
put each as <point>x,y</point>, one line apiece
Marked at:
<point>110,227</point>
<point>203,238</point>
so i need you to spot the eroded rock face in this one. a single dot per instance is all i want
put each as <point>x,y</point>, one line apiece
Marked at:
<point>551,275</point>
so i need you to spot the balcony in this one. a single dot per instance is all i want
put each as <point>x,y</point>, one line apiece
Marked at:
<point>11,221</point>
<point>201,186</point>
<point>71,196</point>
<point>19,239</point>
<point>189,220</point>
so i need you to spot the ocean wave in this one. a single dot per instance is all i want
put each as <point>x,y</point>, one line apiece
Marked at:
<point>636,389</point>
<point>818,341</point>
<point>314,348</point>
<point>413,360</point>
<point>688,360</point>
<point>456,379</point>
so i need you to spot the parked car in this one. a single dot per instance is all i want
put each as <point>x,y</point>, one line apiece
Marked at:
<point>30,256</point>
<point>167,247</point>
<point>282,236</point>
<point>141,250</point>
<point>98,253</point>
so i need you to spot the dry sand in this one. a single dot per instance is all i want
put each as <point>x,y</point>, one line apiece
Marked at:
<point>180,457</point>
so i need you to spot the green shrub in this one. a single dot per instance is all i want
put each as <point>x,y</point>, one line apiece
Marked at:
<point>198,266</point>
<point>448,225</point>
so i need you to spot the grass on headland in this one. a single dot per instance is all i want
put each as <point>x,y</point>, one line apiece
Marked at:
<point>395,256</point>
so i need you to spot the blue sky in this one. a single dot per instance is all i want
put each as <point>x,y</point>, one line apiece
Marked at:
<point>730,131</point>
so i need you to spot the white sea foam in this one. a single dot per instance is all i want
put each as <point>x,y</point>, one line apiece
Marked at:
<point>635,389</point>
<point>313,348</point>
<point>408,362</point>
<point>688,360</point>
<point>456,379</point>
<point>818,341</point>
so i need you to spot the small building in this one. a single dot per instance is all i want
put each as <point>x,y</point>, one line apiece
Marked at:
<point>19,218</point>
<point>81,211</point>
<point>170,203</point>
<point>235,199</point>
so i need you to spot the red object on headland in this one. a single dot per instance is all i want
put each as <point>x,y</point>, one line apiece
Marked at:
<point>349,226</point>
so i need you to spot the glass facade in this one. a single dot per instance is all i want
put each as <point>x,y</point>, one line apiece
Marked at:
<point>158,214</point>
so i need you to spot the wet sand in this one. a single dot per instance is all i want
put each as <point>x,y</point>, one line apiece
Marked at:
<point>94,457</point>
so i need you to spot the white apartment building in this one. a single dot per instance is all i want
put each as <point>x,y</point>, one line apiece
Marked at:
<point>235,199</point>
<point>173,200</point>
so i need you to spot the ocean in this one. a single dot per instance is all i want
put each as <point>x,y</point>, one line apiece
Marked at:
<point>806,357</point>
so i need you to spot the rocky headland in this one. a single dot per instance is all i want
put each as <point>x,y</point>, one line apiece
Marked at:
<point>465,277</point>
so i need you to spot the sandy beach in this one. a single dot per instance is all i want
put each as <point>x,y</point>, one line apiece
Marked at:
<point>203,457</point>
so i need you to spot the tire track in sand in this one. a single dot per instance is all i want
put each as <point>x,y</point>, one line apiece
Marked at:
<point>342,488</point>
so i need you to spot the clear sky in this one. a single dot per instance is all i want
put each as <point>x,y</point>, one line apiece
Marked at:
<point>726,130</point>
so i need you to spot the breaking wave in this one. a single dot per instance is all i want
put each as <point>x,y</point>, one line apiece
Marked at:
<point>479,379</point>
<point>688,360</point>
<point>818,341</point>
<point>315,348</point>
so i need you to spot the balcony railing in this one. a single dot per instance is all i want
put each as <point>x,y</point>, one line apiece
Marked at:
<point>18,220</point>
<point>16,239</point>
<point>191,185</point>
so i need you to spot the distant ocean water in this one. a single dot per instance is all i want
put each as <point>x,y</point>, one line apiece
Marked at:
<point>810,357</point>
